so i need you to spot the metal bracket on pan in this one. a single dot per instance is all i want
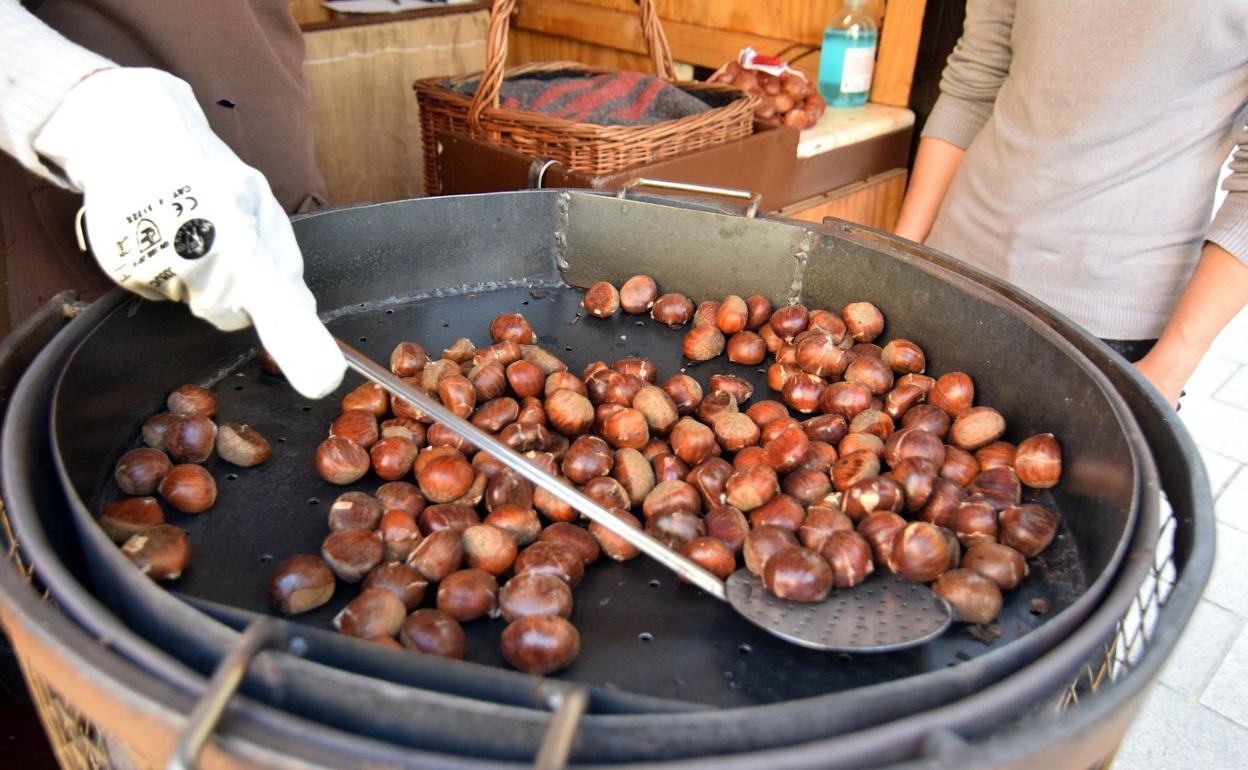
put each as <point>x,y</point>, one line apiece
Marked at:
<point>754,198</point>
<point>569,705</point>
<point>225,681</point>
<point>537,172</point>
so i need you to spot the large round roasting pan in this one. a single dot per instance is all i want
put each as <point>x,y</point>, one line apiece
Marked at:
<point>701,682</point>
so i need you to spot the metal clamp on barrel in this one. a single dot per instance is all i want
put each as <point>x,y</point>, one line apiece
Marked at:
<point>225,681</point>
<point>754,198</point>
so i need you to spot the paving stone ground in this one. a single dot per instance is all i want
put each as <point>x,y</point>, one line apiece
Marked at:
<point>1197,714</point>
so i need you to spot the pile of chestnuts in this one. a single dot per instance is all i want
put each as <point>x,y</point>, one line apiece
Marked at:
<point>789,98</point>
<point>178,442</point>
<point>884,467</point>
<point>889,468</point>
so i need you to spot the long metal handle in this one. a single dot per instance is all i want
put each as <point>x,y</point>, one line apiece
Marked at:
<point>517,462</point>
<point>754,198</point>
<point>225,680</point>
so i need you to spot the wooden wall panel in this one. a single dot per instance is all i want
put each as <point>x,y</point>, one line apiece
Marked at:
<point>875,202</point>
<point>709,32</point>
<point>790,20</point>
<point>368,142</point>
<point>898,50</point>
<point>525,46</point>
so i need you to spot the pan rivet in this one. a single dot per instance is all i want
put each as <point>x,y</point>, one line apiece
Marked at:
<point>745,649</point>
<point>231,477</point>
<point>654,584</point>
<point>314,501</point>
<point>645,636</point>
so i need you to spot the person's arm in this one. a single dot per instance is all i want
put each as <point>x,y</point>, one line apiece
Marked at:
<point>968,90</point>
<point>171,212</point>
<point>1217,291</point>
<point>38,67</point>
<point>934,166</point>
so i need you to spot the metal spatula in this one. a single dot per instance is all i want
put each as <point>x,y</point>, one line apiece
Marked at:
<point>883,614</point>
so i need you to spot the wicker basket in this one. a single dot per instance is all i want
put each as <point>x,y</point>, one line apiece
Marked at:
<point>579,146</point>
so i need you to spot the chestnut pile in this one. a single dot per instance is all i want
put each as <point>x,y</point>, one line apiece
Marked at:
<point>789,99</point>
<point>178,442</point>
<point>896,470</point>
<point>888,468</point>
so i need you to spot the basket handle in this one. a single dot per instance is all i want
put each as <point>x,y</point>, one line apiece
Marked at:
<point>496,55</point>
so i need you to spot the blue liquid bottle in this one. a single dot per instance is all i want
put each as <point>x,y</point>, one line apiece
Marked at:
<point>847,59</point>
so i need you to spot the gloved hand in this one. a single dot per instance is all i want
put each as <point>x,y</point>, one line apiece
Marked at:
<point>171,212</point>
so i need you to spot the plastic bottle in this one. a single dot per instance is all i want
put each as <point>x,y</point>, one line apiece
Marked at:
<point>847,59</point>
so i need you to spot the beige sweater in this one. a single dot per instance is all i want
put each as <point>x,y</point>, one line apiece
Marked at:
<point>1095,133</point>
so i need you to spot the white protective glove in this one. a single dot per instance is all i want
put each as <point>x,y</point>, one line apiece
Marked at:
<point>171,212</point>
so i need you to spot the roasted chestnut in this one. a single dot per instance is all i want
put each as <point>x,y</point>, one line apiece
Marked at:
<point>920,552</point>
<point>552,558</point>
<point>703,343</point>
<point>574,537</point>
<point>468,594</point>
<point>973,523</point>
<point>671,496</point>
<point>352,553</point>
<point>519,522</point>
<point>803,391</point>
<point>433,632</point>
<point>820,522</point>
<point>927,417</point>
<point>301,583</point>
<point>192,400</point>
<point>188,488</point>
<point>1027,528</point>
<point>369,397</point>
<point>758,310</point>
<point>672,309</point>
<point>712,555</point>
<point>341,461</point>
<point>161,552</point>
<point>781,511</point>
<point>675,528</point>
<point>851,468</point>
<point>904,357</point>
<point>242,445</point>
<point>588,457</point>
<point>871,373</point>
<point>797,574</point>
<point>692,441</point>
<point>973,597</point>
<point>190,439</point>
<point>942,503</point>
<point>762,543</point>
<point>445,478</point>
<point>452,516</point>
<point>540,644</point>
<point>615,547</point>
<point>489,549</point>
<point>129,516</point>
<point>401,495</point>
<point>375,612</point>
<point>399,534</point>
<point>706,313</point>
<point>881,529</point>
<point>355,510</point>
<point>976,427</point>
<point>140,471</point>
<point>407,359</point>
<point>638,294</point>
<point>751,486</point>
<point>625,427</point>
<point>819,355</point>
<point>569,412</point>
<point>960,466</point>
<point>511,327</point>
<point>999,563</point>
<point>401,580</point>
<point>732,315</point>
<point>1038,461</point>
<point>156,426</point>
<point>848,554</point>
<point>876,493</point>
<point>437,556</point>
<point>787,322</point>
<point>864,321</point>
<point>601,300</point>
<point>685,391</point>
<point>911,442</point>
<point>953,393</point>
<point>746,348</point>
<point>534,594</point>
<point>392,457</point>
<point>999,487</point>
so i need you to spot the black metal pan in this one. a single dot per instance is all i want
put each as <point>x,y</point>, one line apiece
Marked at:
<point>380,267</point>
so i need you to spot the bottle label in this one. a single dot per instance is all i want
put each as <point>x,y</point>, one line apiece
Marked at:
<point>859,64</point>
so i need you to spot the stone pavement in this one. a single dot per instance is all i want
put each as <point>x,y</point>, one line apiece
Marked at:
<point>1197,714</point>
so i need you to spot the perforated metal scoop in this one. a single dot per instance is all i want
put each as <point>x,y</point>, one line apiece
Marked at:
<point>883,614</point>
